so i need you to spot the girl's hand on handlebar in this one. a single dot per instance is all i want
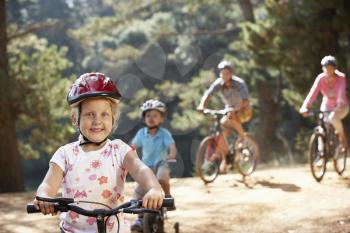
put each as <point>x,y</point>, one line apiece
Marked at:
<point>44,207</point>
<point>153,199</point>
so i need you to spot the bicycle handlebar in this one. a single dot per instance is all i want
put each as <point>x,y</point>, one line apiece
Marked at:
<point>219,112</point>
<point>316,113</point>
<point>131,207</point>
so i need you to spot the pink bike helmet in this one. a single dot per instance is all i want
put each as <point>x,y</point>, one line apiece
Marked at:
<point>92,85</point>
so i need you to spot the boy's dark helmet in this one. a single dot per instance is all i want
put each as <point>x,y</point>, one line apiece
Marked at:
<point>329,60</point>
<point>92,85</point>
<point>153,104</point>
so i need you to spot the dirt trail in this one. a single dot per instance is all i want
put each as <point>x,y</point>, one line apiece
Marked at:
<point>271,201</point>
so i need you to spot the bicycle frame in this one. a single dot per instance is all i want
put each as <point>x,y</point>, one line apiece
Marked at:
<point>243,156</point>
<point>327,131</point>
<point>215,129</point>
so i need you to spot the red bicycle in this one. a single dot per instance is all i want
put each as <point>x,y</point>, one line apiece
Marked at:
<point>243,153</point>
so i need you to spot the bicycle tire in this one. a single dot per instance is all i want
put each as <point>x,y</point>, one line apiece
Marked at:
<point>152,223</point>
<point>246,156</point>
<point>208,160</point>
<point>318,162</point>
<point>339,160</point>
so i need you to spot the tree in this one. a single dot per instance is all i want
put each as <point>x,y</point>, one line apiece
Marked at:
<point>283,49</point>
<point>160,46</point>
<point>32,99</point>
<point>10,178</point>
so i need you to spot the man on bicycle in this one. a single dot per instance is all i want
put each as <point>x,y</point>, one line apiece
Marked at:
<point>234,93</point>
<point>332,85</point>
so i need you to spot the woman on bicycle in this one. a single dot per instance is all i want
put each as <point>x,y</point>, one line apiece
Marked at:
<point>332,85</point>
<point>234,93</point>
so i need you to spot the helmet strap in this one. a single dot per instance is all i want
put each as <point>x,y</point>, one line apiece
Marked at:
<point>87,141</point>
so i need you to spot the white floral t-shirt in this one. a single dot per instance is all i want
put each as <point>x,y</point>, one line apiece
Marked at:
<point>97,176</point>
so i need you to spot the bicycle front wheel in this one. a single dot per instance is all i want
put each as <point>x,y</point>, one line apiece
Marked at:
<point>246,155</point>
<point>152,223</point>
<point>208,160</point>
<point>339,159</point>
<point>317,156</point>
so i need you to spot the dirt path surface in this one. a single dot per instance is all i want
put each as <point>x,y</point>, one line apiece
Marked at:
<point>272,200</point>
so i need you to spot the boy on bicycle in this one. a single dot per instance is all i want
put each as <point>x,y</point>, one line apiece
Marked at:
<point>158,146</point>
<point>234,93</point>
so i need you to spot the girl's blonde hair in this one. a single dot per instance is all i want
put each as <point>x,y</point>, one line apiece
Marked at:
<point>75,114</point>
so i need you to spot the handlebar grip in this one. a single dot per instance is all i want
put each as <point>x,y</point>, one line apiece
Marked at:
<point>31,209</point>
<point>168,202</point>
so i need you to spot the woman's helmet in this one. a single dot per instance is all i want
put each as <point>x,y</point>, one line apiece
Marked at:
<point>153,104</point>
<point>92,85</point>
<point>224,65</point>
<point>329,60</point>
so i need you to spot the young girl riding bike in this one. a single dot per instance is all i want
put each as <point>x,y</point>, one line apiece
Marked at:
<point>94,167</point>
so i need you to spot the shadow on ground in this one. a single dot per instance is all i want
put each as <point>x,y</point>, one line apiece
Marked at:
<point>251,183</point>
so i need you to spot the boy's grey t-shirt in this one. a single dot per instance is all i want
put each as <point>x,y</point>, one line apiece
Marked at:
<point>230,96</point>
<point>154,147</point>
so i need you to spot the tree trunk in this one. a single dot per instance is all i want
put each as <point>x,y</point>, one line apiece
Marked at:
<point>268,105</point>
<point>267,122</point>
<point>247,10</point>
<point>11,179</point>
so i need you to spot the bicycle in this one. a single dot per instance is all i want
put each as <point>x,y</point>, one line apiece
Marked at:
<point>323,146</point>
<point>244,154</point>
<point>154,222</point>
<point>102,215</point>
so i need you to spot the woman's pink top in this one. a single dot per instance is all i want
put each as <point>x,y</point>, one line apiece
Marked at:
<point>332,96</point>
